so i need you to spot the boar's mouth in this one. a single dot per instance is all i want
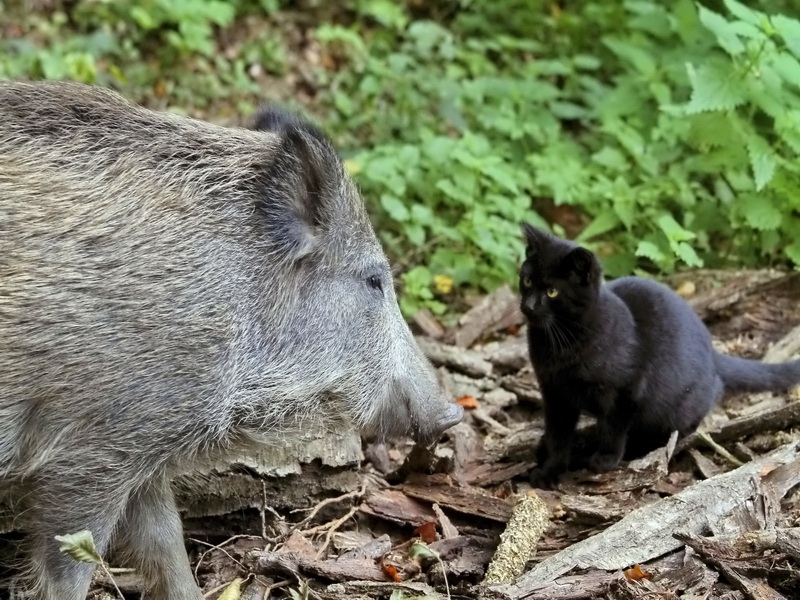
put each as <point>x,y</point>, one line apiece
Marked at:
<point>426,431</point>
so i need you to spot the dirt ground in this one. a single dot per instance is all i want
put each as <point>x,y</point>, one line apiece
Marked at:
<point>425,523</point>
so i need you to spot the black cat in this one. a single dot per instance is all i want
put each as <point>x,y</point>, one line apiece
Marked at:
<point>631,352</point>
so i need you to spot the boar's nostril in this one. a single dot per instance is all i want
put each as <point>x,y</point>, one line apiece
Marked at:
<point>451,415</point>
<point>429,432</point>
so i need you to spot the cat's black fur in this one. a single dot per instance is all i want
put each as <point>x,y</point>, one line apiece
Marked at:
<point>631,352</point>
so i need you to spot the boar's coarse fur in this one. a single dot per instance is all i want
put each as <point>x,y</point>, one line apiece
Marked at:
<point>169,290</point>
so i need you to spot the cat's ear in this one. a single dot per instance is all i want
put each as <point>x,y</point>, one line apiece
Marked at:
<point>582,263</point>
<point>535,238</point>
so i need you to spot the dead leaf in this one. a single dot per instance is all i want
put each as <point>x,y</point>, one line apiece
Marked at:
<point>391,572</point>
<point>468,401</point>
<point>636,573</point>
<point>233,591</point>
<point>427,532</point>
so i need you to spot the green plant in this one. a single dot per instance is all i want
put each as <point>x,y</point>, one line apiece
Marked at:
<point>662,135</point>
<point>670,130</point>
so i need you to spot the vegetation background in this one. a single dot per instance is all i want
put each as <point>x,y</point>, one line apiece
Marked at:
<point>663,135</point>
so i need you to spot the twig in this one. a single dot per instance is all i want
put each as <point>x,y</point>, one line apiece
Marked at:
<point>719,449</point>
<point>111,578</point>
<point>332,528</point>
<point>219,547</point>
<point>274,586</point>
<point>326,502</point>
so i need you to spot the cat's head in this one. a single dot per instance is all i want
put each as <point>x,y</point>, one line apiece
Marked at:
<point>559,279</point>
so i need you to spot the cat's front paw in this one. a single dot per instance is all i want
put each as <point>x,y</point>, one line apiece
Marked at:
<point>543,479</point>
<point>600,463</point>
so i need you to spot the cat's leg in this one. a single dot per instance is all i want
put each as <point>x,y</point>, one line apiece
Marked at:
<point>561,412</point>
<point>613,424</point>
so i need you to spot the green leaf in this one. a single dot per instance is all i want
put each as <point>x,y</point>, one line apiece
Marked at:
<point>415,234</point>
<point>793,252</point>
<point>673,230</point>
<point>740,11</point>
<point>687,254</point>
<point>395,207</point>
<point>789,30</point>
<point>651,251</point>
<point>762,160</point>
<point>385,12</point>
<point>723,30</point>
<point>80,546</point>
<point>419,551</point>
<point>788,67</point>
<point>605,221</point>
<point>143,18</point>
<point>759,212</point>
<point>642,60</point>
<point>713,88</point>
<point>619,264</point>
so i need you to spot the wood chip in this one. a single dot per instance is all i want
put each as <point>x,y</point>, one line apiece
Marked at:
<point>468,500</point>
<point>396,506</point>
<point>518,542</point>
<point>500,308</point>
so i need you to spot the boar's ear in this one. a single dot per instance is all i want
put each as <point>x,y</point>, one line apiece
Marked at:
<point>535,239</point>
<point>300,184</point>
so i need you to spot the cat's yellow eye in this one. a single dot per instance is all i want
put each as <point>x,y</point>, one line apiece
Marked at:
<point>552,293</point>
<point>527,282</point>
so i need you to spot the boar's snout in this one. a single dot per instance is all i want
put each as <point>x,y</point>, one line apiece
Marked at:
<point>428,430</point>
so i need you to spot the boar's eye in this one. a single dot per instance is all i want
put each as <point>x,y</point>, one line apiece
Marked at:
<point>374,281</point>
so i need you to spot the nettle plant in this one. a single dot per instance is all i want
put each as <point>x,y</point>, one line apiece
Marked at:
<point>672,129</point>
<point>712,176</point>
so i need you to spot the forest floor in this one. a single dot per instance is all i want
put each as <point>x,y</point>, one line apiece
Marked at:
<point>729,494</point>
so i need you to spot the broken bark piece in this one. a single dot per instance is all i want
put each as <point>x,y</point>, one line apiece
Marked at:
<point>423,459</point>
<point>646,533</point>
<point>779,418</point>
<point>448,529</point>
<point>736,286</point>
<point>720,555</point>
<point>355,590</point>
<point>785,348</point>
<point>587,586</point>
<point>524,385</point>
<point>705,465</point>
<point>429,325</point>
<point>467,499</point>
<point>459,359</point>
<point>488,474</point>
<point>373,549</point>
<point>785,540</point>
<point>333,570</point>
<point>528,521</point>
<point>508,356</point>
<point>500,308</point>
<point>396,506</point>
<point>599,508</point>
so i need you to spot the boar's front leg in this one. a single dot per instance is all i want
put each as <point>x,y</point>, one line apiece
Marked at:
<point>151,539</point>
<point>64,506</point>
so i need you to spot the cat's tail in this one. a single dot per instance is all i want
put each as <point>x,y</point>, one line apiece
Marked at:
<point>743,375</point>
